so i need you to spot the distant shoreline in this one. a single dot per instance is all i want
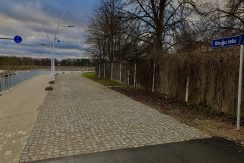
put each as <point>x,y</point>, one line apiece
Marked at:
<point>4,70</point>
<point>14,68</point>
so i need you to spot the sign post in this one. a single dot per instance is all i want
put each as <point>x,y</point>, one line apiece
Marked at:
<point>240,90</point>
<point>17,39</point>
<point>234,41</point>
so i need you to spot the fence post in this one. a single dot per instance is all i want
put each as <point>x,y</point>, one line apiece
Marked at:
<point>135,75</point>
<point>120,75</point>
<point>8,81</point>
<point>12,79</point>
<point>153,79</point>
<point>99,73</point>
<point>111,71</point>
<point>128,77</point>
<point>4,83</point>
<point>1,86</point>
<point>104,67</point>
<point>187,89</point>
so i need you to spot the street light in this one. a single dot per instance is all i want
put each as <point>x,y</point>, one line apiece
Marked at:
<point>52,46</point>
<point>54,40</point>
<point>53,49</point>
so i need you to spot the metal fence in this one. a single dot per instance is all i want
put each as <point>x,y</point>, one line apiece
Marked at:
<point>10,80</point>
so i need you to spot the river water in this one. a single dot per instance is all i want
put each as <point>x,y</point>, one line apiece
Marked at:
<point>10,80</point>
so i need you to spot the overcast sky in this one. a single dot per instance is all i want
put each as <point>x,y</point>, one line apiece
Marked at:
<point>25,18</point>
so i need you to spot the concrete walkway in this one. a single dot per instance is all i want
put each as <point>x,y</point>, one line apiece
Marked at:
<point>18,111</point>
<point>83,117</point>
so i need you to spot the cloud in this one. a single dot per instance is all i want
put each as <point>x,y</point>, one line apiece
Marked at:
<point>26,17</point>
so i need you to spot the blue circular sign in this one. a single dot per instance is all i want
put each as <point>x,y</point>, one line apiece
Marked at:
<point>18,39</point>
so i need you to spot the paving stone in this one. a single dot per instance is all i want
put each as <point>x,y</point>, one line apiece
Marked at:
<point>80,116</point>
<point>18,111</point>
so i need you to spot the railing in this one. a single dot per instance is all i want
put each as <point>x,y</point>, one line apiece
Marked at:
<point>10,80</point>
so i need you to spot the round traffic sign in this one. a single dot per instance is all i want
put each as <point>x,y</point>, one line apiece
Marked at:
<point>18,39</point>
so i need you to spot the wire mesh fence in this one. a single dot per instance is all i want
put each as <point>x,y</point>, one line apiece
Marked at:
<point>10,80</point>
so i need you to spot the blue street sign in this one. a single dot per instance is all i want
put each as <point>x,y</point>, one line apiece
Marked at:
<point>228,41</point>
<point>17,39</point>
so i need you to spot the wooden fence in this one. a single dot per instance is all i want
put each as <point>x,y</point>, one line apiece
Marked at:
<point>209,80</point>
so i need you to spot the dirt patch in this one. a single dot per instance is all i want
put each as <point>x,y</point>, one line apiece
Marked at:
<point>213,122</point>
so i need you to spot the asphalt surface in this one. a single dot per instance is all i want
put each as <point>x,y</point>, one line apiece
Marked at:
<point>202,150</point>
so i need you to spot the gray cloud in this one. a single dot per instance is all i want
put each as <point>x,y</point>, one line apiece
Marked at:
<point>25,18</point>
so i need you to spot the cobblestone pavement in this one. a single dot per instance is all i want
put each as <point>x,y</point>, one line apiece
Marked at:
<point>81,116</point>
<point>18,112</point>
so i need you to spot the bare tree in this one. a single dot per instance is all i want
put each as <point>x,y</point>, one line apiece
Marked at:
<point>160,21</point>
<point>126,30</point>
<point>225,18</point>
<point>232,15</point>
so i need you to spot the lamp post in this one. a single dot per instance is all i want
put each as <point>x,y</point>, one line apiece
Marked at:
<point>52,46</point>
<point>54,40</point>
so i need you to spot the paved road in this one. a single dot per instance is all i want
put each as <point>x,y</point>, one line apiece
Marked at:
<point>83,117</point>
<point>210,150</point>
<point>18,112</point>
